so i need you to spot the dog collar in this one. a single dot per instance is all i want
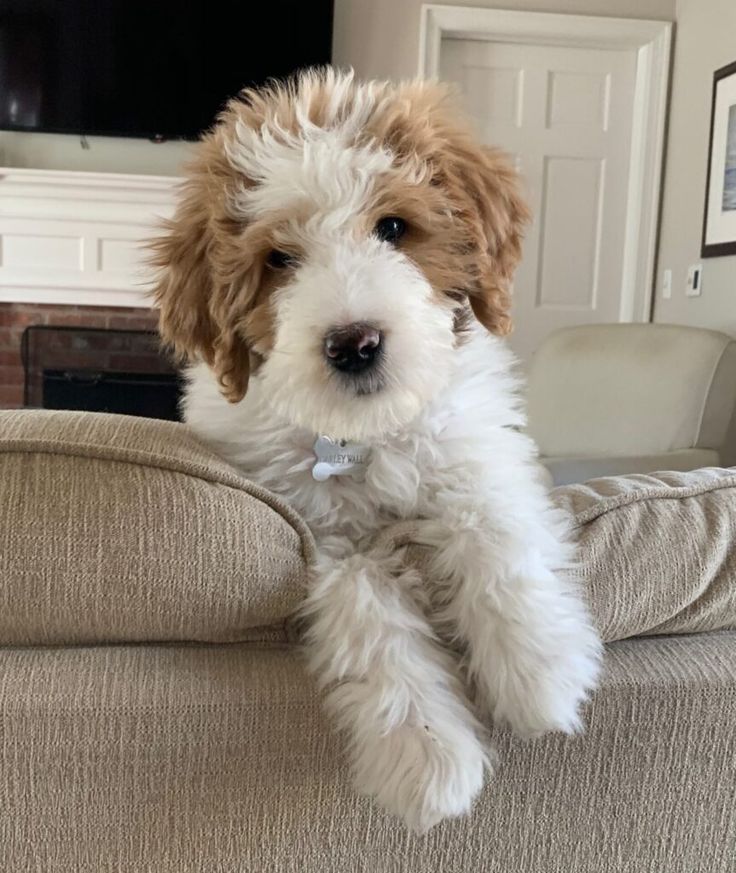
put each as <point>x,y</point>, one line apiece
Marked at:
<point>339,458</point>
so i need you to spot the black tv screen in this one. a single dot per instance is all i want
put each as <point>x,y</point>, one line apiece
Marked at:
<point>160,69</point>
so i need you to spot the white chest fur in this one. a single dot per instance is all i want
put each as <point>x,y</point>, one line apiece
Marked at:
<point>455,437</point>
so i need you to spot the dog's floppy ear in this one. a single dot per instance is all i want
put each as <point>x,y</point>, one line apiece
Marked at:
<point>484,188</point>
<point>195,307</point>
<point>502,216</point>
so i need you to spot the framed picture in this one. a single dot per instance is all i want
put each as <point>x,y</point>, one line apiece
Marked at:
<point>719,224</point>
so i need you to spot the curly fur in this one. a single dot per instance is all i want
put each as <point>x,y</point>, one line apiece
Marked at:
<point>308,168</point>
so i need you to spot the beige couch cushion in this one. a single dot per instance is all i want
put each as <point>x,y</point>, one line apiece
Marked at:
<point>657,552</point>
<point>120,529</point>
<point>126,529</point>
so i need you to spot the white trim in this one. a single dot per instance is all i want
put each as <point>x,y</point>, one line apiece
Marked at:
<point>651,40</point>
<point>88,179</point>
<point>75,296</point>
<point>100,220</point>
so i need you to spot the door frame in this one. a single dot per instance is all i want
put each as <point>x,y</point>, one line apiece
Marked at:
<point>651,40</point>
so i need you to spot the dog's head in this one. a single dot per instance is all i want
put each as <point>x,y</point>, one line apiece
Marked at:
<point>337,238</point>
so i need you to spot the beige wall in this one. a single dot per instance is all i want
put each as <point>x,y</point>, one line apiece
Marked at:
<point>106,154</point>
<point>705,41</point>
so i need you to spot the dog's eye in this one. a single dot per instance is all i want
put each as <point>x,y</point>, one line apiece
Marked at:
<point>390,229</point>
<point>279,260</point>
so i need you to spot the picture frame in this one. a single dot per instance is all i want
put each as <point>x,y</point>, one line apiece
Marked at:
<point>719,220</point>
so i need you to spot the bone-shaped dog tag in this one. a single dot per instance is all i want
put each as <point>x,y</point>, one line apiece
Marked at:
<point>339,458</point>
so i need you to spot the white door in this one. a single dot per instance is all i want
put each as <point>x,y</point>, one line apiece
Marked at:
<point>566,114</point>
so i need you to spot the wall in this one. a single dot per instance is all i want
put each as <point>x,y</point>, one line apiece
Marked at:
<point>106,154</point>
<point>705,41</point>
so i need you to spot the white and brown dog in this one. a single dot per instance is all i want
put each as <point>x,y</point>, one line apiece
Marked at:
<point>343,251</point>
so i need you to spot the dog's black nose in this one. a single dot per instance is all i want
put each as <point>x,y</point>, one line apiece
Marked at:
<point>354,348</point>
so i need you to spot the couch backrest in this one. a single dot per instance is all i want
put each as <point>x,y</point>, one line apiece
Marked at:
<point>631,389</point>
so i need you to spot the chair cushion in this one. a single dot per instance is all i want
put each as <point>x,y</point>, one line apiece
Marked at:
<point>119,529</point>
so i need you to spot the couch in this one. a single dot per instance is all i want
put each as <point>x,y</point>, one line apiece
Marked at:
<point>155,714</point>
<point>606,399</point>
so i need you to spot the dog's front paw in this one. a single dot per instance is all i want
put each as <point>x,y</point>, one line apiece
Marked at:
<point>538,692</point>
<point>420,777</point>
<point>548,702</point>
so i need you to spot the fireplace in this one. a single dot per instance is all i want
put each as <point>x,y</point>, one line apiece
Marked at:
<point>99,370</point>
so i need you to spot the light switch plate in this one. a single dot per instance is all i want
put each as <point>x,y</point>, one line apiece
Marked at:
<point>667,284</point>
<point>694,285</point>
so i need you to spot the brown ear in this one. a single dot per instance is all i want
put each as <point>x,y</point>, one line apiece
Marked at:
<point>487,204</point>
<point>194,316</point>
<point>495,217</point>
<point>480,185</point>
<point>503,216</point>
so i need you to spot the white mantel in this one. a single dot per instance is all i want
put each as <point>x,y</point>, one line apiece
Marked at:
<point>78,238</point>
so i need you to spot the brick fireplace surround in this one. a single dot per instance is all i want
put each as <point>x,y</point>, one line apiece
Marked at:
<point>15,317</point>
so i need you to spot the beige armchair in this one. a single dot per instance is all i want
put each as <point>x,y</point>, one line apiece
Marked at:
<point>633,398</point>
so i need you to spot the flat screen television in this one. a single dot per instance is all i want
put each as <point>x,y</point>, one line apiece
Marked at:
<point>158,69</point>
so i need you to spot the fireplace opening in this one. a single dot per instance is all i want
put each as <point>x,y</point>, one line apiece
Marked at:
<point>99,370</point>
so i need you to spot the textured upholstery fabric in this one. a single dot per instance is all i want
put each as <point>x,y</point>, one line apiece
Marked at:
<point>116,529</point>
<point>632,391</point>
<point>657,553</point>
<point>189,758</point>
<point>174,759</point>
<point>123,529</point>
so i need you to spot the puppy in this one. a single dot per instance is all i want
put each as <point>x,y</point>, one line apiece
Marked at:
<point>343,253</point>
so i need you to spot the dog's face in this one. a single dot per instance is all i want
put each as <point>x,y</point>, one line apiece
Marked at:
<point>336,239</point>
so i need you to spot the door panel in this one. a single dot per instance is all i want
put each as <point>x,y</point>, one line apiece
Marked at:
<point>565,114</point>
<point>568,268</point>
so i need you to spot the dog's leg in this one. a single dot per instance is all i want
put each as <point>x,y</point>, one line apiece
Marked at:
<point>413,742</point>
<point>532,652</point>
